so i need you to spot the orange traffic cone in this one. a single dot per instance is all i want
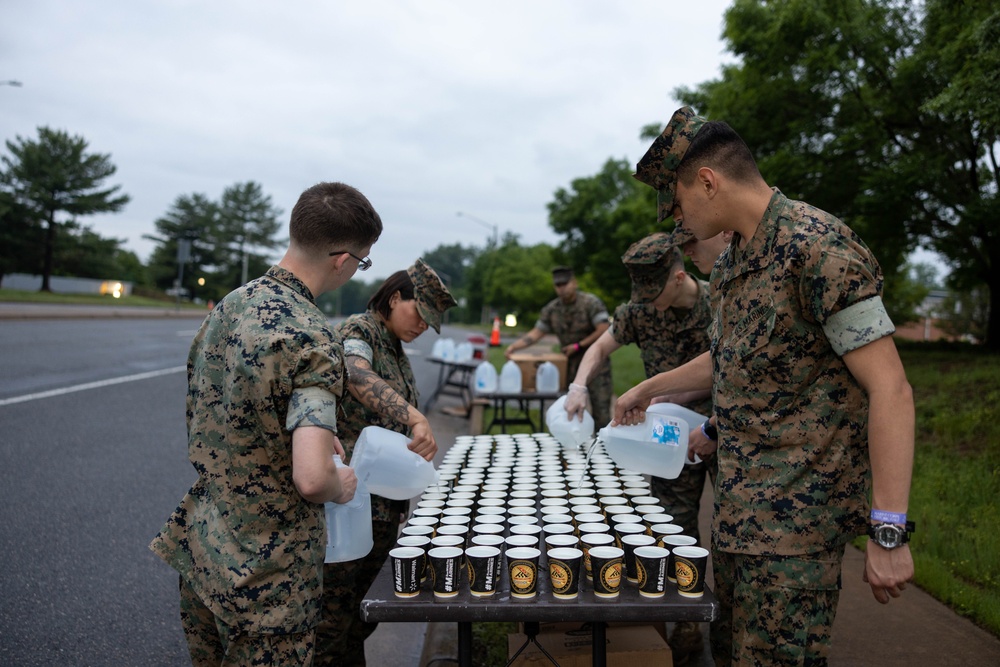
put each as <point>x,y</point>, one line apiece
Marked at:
<point>495,336</point>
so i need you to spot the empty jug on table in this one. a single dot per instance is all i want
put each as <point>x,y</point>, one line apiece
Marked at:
<point>510,378</point>
<point>485,380</point>
<point>547,378</point>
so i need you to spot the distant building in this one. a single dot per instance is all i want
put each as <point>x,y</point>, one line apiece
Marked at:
<point>927,328</point>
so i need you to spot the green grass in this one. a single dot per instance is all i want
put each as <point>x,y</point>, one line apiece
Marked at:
<point>955,497</point>
<point>24,296</point>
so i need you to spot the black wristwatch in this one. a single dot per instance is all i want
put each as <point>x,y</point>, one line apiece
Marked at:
<point>709,430</point>
<point>889,535</point>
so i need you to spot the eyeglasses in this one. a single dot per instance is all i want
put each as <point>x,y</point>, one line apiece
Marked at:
<point>364,263</point>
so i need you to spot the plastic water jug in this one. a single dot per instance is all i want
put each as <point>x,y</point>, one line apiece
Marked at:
<point>657,446</point>
<point>385,465</point>
<point>463,352</point>
<point>547,378</point>
<point>510,378</point>
<point>485,380</point>
<point>448,349</point>
<point>571,433</point>
<point>349,525</point>
<point>437,348</point>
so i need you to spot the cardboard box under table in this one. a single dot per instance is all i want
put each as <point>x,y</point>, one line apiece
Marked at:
<point>631,646</point>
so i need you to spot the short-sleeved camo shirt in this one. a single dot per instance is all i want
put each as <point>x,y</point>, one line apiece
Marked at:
<point>264,362</point>
<point>668,338</point>
<point>366,335</point>
<point>572,322</point>
<point>793,459</point>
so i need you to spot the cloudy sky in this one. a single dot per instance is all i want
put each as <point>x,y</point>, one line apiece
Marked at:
<point>428,107</point>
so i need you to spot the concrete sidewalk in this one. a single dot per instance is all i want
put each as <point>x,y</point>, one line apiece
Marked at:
<point>912,631</point>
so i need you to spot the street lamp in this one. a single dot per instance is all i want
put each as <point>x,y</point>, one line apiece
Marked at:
<point>496,240</point>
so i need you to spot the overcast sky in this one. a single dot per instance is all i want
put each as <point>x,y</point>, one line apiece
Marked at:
<point>428,107</point>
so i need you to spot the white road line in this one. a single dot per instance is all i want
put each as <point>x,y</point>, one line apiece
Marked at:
<point>91,385</point>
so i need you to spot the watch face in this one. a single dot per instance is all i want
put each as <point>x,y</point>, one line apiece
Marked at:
<point>889,536</point>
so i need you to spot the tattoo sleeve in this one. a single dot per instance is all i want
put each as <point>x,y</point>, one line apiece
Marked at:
<point>373,392</point>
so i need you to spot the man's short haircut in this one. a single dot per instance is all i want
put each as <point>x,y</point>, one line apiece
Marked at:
<point>718,147</point>
<point>397,282</point>
<point>334,214</point>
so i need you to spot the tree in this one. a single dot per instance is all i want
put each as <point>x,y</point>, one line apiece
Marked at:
<point>54,175</point>
<point>452,260</point>
<point>194,218</point>
<point>248,221</point>
<point>877,111</point>
<point>600,217</point>
<point>512,279</point>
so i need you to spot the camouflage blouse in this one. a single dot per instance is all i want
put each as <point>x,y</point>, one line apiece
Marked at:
<point>264,362</point>
<point>793,457</point>
<point>367,336</point>
<point>572,322</point>
<point>667,339</point>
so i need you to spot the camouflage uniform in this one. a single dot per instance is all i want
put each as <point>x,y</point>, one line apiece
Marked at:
<point>793,458</point>
<point>666,340</point>
<point>247,546</point>
<point>340,637</point>
<point>571,323</point>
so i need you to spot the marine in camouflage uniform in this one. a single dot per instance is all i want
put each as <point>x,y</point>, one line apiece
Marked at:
<point>341,634</point>
<point>577,319</point>
<point>668,338</point>
<point>799,334</point>
<point>247,546</point>
<point>265,375</point>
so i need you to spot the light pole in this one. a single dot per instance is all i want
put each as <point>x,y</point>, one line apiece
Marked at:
<point>496,239</point>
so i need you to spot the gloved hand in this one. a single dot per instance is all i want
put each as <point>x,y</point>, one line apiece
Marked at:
<point>576,401</point>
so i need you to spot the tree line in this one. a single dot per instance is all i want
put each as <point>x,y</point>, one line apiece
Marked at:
<point>881,112</point>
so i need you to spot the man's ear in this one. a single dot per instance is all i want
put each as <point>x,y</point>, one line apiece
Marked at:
<point>709,181</point>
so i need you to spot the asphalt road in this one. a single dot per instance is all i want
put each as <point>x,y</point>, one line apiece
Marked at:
<point>92,461</point>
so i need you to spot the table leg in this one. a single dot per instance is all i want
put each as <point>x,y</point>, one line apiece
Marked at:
<point>599,646</point>
<point>465,644</point>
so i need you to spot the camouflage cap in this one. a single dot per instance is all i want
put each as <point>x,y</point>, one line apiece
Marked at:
<point>431,295</point>
<point>680,235</point>
<point>648,263</point>
<point>658,167</point>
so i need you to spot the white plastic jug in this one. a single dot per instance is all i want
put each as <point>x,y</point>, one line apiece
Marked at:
<point>571,433</point>
<point>547,378</point>
<point>448,349</point>
<point>349,525</point>
<point>510,378</point>
<point>385,465</point>
<point>485,380</point>
<point>657,446</point>
<point>463,352</point>
<point>437,350</point>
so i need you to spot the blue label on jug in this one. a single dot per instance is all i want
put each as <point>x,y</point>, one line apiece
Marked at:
<point>666,431</point>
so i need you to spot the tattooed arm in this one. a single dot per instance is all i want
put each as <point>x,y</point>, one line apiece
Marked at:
<point>376,394</point>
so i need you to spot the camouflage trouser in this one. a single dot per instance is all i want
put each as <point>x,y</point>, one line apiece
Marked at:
<point>341,634</point>
<point>212,642</point>
<point>775,610</point>
<point>681,497</point>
